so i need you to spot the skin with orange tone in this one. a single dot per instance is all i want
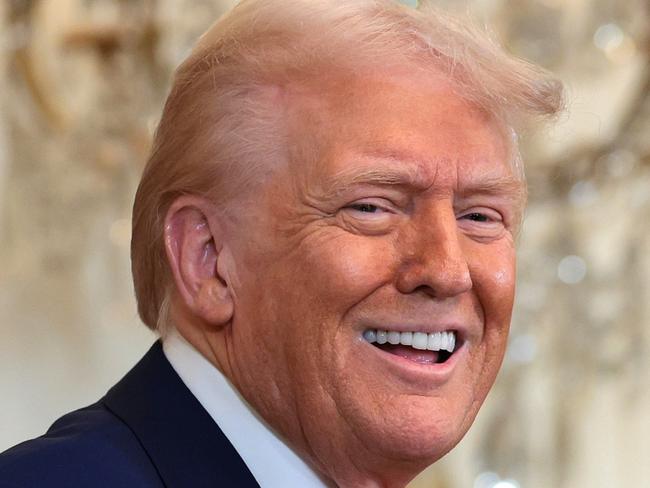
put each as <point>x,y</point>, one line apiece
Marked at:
<point>397,209</point>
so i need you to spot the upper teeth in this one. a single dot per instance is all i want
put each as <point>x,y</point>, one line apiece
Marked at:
<point>436,341</point>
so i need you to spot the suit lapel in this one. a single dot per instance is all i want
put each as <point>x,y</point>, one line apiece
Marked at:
<point>185,445</point>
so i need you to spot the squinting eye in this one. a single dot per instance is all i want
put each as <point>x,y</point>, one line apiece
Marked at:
<point>477,217</point>
<point>365,207</point>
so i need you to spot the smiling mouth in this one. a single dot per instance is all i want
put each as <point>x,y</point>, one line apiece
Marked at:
<point>419,347</point>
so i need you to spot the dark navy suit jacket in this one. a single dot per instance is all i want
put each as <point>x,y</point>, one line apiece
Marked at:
<point>148,431</point>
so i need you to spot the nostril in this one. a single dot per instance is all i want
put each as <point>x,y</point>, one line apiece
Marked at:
<point>444,279</point>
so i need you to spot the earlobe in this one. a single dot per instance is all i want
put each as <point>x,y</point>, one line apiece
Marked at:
<point>214,303</point>
<point>193,240</point>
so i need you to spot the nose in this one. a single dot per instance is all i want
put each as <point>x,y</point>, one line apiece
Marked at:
<point>433,260</point>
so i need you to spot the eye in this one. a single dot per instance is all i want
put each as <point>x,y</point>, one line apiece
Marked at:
<point>370,215</point>
<point>365,207</point>
<point>477,217</point>
<point>482,223</point>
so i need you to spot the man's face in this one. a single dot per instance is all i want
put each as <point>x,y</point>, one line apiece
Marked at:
<point>396,213</point>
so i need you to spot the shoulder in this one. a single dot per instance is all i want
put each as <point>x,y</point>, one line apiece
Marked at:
<point>88,447</point>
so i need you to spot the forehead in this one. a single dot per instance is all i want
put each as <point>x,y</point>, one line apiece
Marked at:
<point>415,122</point>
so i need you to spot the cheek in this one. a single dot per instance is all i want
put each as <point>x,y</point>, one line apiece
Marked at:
<point>499,291</point>
<point>494,283</point>
<point>347,269</point>
<point>307,291</point>
<point>493,275</point>
<point>332,277</point>
<point>494,286</point>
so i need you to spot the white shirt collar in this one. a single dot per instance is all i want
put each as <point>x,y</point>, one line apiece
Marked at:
<point>270,460</point>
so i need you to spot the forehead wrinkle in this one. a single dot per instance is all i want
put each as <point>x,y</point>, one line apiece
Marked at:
<point>383,174</point>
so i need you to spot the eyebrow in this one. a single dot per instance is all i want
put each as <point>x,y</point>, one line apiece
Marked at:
<point>385,172</point>
<point>412,176</point>
<point>507,186</point>
<point>376,176</point>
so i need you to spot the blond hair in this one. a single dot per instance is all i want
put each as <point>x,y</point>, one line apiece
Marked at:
<point>221,121</point>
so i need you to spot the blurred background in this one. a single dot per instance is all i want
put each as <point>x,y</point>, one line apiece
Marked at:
<point>82,84</point>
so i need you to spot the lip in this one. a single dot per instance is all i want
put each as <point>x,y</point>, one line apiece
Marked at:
<point>424,375</point>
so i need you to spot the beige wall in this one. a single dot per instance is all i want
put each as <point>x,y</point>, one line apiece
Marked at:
<point>81,85</point>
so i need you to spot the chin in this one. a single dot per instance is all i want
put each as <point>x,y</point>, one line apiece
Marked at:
<point>418,430</point>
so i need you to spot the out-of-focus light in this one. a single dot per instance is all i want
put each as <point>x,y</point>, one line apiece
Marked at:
<point>489,479</point>
<point>522,349</point>
<point>120,232</point>
<point>583,193</point>
<point>615,44</point>
<point>486,480</point>
<point>506,484</point>
<point>608,37</point>
<point>626,50</point>
<point>410,3</point>
<point>572,270</point>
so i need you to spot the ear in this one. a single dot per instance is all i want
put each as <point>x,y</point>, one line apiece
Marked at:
<point>193,241</point>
